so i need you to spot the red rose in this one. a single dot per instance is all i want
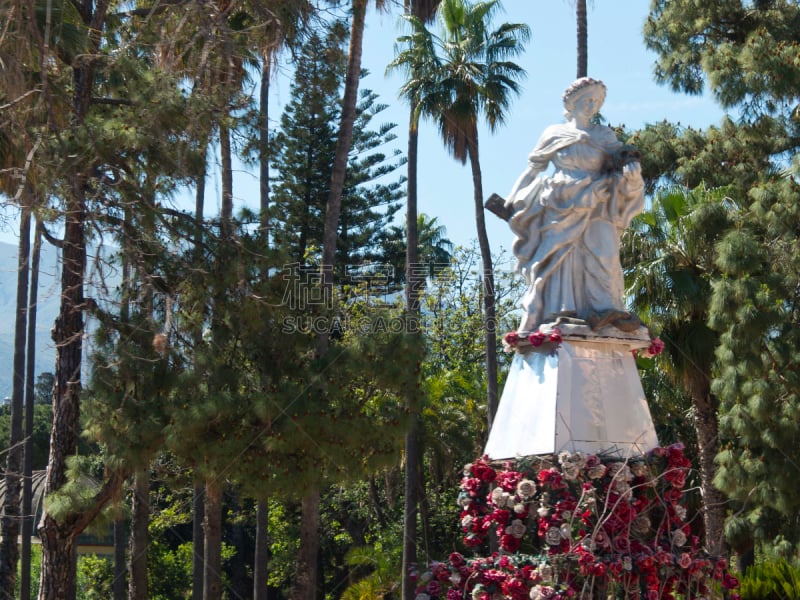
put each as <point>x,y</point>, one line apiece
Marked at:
<point>483,471</point>
<point>511,338</point>
<point>509,543</point>
<point>555,336</point>
<point>456,559</point>
<point>536,339</point>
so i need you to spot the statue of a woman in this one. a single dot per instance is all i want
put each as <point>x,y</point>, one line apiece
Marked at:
<point>567,225</point>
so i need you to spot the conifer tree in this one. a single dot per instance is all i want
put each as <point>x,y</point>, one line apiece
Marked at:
<point>757,309</point>
<point>303,158</point>
<point>746,54</point>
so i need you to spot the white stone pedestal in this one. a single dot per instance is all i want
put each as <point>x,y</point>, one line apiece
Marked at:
<point>585,396</point>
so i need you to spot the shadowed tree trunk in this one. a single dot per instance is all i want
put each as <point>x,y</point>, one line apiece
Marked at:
<point>212,525</point>
<point>30,376</point>
<point>119,588</point>
<point>198,544</point>
<point>263,155</point>
<point>140,519</point>
<point>260,590</point>
<point>9,548</point>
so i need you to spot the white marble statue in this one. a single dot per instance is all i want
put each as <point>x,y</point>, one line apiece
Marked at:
<point>568,224</point>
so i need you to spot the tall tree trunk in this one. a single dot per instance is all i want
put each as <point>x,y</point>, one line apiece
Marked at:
<point>58,539</point>
<point>198,491</point>
<point>307,567</point>
<point>583,37</point>
<point>706,427</point>
<point>10,522</point>
<point>119,587</point>
<point>212,526</point>
<point>198,553</point>
<point>30,376</point>
<point>226,207</point>
<point>305,579</point>
<point>263,154</point>
<point>413,275</point>
<point>140,519</point>
<point>238,587</point>
<point>260,561</point>
<point>339,170</point>
<point>489,314</point>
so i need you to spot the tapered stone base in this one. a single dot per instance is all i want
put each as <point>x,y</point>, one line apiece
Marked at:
<point>586,396</point>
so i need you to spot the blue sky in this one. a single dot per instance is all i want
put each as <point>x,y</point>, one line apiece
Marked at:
<point>616,55</point>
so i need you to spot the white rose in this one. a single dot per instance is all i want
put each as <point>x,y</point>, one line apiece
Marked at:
<point>553,536</point>
<point>678,537</point>
<point>516,528</point>
<point>526,488</point>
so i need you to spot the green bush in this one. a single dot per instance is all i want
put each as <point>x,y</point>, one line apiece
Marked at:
<point>775,579</point>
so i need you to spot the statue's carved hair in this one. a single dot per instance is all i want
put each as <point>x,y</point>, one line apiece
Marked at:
<point>579,87</point>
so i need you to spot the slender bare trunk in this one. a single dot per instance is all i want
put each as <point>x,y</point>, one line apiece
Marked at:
<point>583,37</point>
<point>30,376</point>
<point>413,275</point>
<point>198,554</point>
<point>226,157</point>
<point>489,313</point>
<point>304,587</point>
<point>120,571</point>
<point>140,519</point>
<point>334,205</point>
<point>10,522</point>
<point>212,526</point>
<point>263,154</point>
<point>260,591</point>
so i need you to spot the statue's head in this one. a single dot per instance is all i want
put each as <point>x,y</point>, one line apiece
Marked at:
<point>580,88</point>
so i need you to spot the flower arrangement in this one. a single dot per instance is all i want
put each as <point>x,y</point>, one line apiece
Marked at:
<point>583,527</point>
<point>514,341</point>
<point>655,348</point>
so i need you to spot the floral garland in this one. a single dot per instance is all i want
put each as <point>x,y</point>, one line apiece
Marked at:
<point>593,528</point>
<point>515,341</point>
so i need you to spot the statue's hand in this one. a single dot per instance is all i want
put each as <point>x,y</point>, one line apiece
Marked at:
<point>632,170</point>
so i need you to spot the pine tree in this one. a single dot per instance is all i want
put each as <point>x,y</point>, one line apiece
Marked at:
<point>746,54</point>
<point>757,308</point>
<point>303,159</point>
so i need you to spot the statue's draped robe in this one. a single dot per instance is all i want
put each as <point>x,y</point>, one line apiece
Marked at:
<point>568,225</point>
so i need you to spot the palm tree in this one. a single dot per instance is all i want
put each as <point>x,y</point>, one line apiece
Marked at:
<point>583,45</point>
<point>456,78</point>
<point>669,253</point>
